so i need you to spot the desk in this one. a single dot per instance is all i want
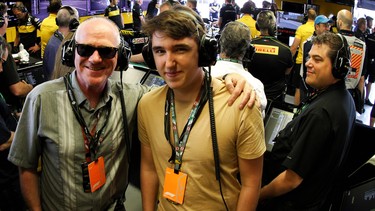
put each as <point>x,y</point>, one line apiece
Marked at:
<point>32,72</point>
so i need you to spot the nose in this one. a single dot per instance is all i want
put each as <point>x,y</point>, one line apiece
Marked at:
<point>95,57</point>
<point>170,60</point>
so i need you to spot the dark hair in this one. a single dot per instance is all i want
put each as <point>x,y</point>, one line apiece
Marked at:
<point>178,23</point>
<point>3,8</point>
<point>54,6</point>
<point>19,6</point>
<point>334,42</point>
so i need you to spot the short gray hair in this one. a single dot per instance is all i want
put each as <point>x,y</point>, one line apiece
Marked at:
<point>234,40</point>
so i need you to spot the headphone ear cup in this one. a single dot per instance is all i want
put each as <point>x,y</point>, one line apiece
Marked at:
<point>342,65</point>
<point>148,56</point>
<point>73,24</point>
<point>207,52</point>
<point>67,53</point>
<point>123,56</point>
<point>257,27</point>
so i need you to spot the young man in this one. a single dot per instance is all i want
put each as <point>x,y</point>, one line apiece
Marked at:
<point>77,121</point>
<point>113,12</point>
<point>177,48</point>
<point>307,155</point>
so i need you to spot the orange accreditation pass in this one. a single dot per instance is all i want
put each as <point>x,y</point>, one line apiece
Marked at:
<point>174,186</point>
<point>97,174</point>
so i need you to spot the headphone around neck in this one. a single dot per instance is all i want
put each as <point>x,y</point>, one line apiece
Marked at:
<point>341,64</point>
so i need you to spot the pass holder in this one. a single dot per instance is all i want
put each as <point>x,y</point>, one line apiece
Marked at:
<point>93,175</point>
<point>174,186</point>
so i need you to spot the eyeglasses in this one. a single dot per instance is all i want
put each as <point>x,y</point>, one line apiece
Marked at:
<point>104,52</point>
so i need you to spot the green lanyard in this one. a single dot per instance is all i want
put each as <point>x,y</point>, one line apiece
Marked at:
<point>180,142</point>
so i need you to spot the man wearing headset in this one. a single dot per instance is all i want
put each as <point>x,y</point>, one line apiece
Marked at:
<point>67,17</point>
<point>76,125</point>
<point>306,158</point>
<point>176,124</point>
<point>272,60</point>
<point>26,30</point>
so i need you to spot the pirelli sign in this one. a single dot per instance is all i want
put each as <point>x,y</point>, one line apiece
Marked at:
<point>266,49</point>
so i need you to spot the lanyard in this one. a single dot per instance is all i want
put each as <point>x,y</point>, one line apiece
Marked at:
<point>91,140</point>
<point>180,142</point>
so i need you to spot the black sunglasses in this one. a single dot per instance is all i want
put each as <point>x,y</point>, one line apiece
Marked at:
<point>104,52</point>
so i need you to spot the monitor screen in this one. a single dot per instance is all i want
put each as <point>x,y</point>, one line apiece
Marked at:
<point>275,122</point>
<point>33,76</point>
<point>289,20</point>
<point>153,79</point>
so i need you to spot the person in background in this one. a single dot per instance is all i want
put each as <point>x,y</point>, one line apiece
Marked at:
<point>152,9</point>
<point>235,47</point>
<point>10,192</point>
<point>12,87</point>
<point>361,29</point>
<point>247,19</point>
<point>137,14</point>
<point>303,32</point>
<point>237,8</point>
<point>321,24</point>
<point>227,14</point>
<point>306,159</point>
<point>272,60</point>
<point>214,9</point>
<point>113,12</point>
<point>26,30</point>
<point>355,81</point>
<point>176,42</point>
<point>370,70</point>
<point>67,20</point>
<point>48,26</point>
<point>369,29</point>
<point>192,4</point>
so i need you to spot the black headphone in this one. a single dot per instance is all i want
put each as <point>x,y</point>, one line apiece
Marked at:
<point>207,51</point>
<point>20,6</point>
<point>68,54</point>
<point>268,20</point>
<point>341,64</point>
<point>74,23</point>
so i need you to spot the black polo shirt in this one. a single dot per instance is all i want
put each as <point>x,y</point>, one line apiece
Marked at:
<point>269,63</point>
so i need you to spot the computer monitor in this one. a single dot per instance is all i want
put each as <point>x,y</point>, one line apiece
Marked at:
<point>33,76</point>
<point>277,118</point>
